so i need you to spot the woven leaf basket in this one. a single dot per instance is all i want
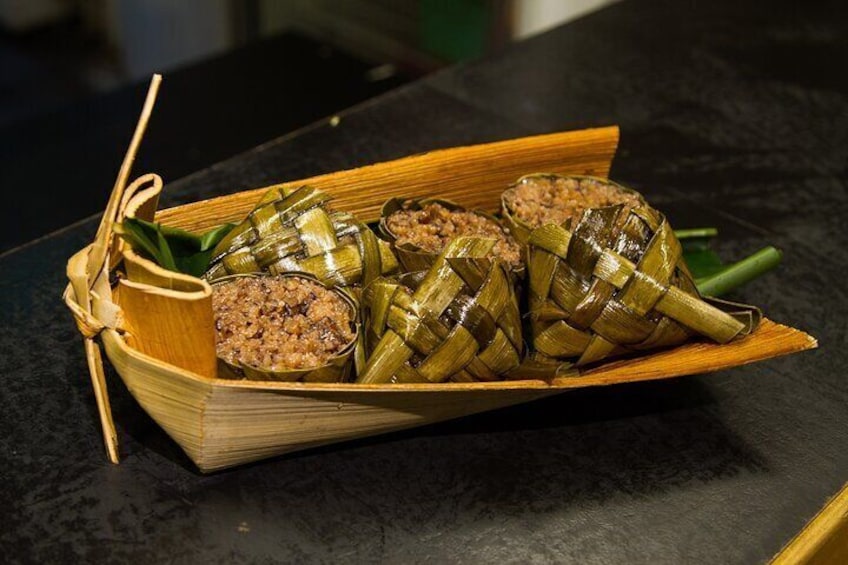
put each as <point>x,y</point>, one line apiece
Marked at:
<point>292,229</point>
<point>617,282</point>
<point>155,326</point>
<point>457,321</point>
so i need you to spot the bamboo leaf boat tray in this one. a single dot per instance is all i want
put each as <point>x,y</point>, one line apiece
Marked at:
<point>222,423</point>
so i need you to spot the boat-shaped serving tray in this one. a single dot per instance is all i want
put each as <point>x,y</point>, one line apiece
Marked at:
<point>222,423</point>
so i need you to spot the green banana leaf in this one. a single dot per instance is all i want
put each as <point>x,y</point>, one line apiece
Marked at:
<point>714,277</point>
<point>172,248</point>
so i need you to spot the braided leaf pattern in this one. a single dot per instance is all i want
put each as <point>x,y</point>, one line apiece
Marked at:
<point>458,321</point>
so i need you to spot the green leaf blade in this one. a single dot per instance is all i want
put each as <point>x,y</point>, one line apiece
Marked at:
<point>173,248</point>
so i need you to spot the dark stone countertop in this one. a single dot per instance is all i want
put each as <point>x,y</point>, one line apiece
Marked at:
<point>732,114</point>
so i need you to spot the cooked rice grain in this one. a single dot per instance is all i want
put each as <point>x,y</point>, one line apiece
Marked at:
<point>434,226</point>
<point>279,323</point>
<point>540,200</point>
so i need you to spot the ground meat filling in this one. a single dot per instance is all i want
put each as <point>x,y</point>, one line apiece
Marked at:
<point>278,323</point>
<point>434,226</point>
<point>552,200</point>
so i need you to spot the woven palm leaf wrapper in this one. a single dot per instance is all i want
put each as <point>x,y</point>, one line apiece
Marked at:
<point>458,321</point>
<point>413,257</point>
<point>338,368</point>
<point>615,283</point>
<point>521,228</point>
<point>292,230</point>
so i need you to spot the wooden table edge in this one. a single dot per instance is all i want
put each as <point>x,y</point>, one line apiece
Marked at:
<point>824,539</point>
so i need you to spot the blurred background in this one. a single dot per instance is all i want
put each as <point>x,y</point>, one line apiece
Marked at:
<point>238,73</point>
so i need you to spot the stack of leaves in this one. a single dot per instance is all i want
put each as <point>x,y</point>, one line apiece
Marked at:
<point>457,321</point>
